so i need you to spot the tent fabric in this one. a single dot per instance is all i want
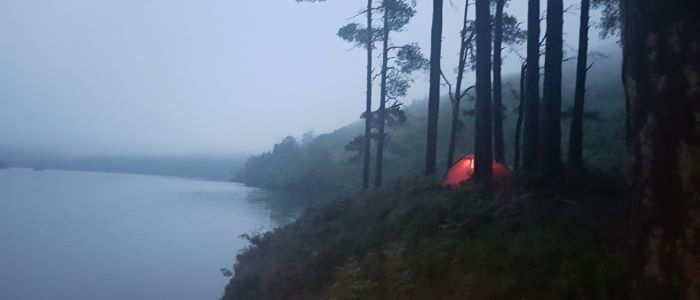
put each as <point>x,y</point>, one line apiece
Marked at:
<point>462,171</point>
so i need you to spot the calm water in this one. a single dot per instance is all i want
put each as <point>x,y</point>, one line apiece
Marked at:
<point>79,235</point>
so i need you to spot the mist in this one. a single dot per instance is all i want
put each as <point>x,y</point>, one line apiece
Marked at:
<point>179,77</point>
<point>223,149</point>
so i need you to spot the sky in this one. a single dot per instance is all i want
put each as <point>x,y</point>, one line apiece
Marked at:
<point>170,77</point>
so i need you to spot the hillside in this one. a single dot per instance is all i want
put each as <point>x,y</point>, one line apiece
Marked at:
<point>323,165</point>
<point>418,241</point>
<point>522,240</point>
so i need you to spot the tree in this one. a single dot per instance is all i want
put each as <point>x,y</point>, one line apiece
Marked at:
<point>532,88</point>
<point>355,33</point>
<point>506,31</point>
<point>509,34</point>
<point>662,83</point>
<point>576,131</point>
<point>382,102</point>
<point>365,36</point>
<point>498,150</point>
<point>550,136</point>
<point>368,102</point>
<point>434,95</point>
<point>483,155</point>
<point>519,121</point>
<point>394,83</point>
<point>466,36</point>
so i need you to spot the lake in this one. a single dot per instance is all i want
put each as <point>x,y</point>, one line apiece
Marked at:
<point>82,235</point>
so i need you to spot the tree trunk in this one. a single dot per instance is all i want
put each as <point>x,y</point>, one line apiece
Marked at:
<point>434,95</point>
<point>498,147</point>
<point>662,82</point>
<point>368,107</point>
<point>519,122</point>
<point>382,102</point>
<point>532,119</point>
<point>458,89</point>
<point>483,156</point>
<point>576,131</point>
<point>550,136</point>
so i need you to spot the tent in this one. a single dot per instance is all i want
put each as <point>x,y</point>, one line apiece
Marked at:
<point>463,170</point>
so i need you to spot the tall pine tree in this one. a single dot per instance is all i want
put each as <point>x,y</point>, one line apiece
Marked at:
<point>498,144</point>
<point>550,134</point>
<point>532,88</point>
<point>466,36</point>
<point>575,157</point>
<point>434,95</point>
<point>483,156</point>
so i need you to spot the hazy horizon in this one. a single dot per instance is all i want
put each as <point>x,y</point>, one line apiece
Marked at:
<point>161,77</point>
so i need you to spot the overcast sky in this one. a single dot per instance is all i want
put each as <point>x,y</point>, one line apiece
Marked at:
<point>193,76</point>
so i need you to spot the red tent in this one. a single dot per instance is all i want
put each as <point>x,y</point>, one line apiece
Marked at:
<point>463,170</point>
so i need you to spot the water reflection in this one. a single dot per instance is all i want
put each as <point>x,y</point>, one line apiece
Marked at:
<point>80,235</point>
<point>282,207</point>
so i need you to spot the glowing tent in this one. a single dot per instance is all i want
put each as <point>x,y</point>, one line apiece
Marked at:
<point>463,170</point>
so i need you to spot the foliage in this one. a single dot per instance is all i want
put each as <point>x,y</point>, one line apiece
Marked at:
<point>356,145</point>
<point>420,242</point>
<point>291,166</point>
<point>399,13</point>
<point>357,34</point>
<point>410,59</point>
<point>513,35</point>
<point>407,60</point>
<point>611,19</point>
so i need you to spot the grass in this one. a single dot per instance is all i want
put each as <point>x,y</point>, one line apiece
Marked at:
<point>414,240</point>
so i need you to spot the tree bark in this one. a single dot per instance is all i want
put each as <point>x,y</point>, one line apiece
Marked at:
<point>368,106</point>
<point>382,102</point>
<point>434,95</point>
<point>550,136</point>
<point>575,158</point>
<point>532,118</point>
<point>483,156</point>
<point>519,122</point>
<point>498,147</point>
<point>662,82</point>
<point>458,89</point>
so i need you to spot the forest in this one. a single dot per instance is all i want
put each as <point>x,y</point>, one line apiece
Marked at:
<point>602,196</point>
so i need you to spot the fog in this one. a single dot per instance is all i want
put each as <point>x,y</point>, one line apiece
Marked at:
<point>194,77</point>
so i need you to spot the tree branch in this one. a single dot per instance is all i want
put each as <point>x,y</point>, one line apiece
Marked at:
<point>396,104</point>
<point>590,66</point>
<point>449,86</point>
<point>466,91</point>
<point>569,59</point>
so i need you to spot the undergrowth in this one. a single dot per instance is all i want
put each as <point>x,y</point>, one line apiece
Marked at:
<point>414,240</point>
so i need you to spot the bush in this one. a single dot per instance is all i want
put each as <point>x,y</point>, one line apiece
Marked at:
<point>413,240</point>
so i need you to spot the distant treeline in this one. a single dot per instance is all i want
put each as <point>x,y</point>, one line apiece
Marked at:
<point>300,166</point>
<point>220,168</point>
<point>201,167</point>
